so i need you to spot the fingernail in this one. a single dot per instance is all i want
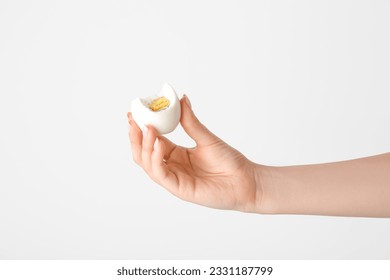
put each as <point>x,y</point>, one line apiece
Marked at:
<point>155,143</point>
<point>187,101</point>
<point>145,130</point>
<point>130,123</point>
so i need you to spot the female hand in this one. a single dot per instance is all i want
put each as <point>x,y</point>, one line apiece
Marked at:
<point>212,174</point>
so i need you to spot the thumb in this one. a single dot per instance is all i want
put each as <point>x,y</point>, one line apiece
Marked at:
<point>194,128</point>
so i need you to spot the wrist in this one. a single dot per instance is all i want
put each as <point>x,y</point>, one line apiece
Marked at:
<point>266,202</point>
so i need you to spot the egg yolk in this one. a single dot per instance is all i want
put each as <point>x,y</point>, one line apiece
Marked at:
<point>159,104</point>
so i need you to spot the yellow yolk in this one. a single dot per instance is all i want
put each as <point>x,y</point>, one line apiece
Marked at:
<point>159,104</point>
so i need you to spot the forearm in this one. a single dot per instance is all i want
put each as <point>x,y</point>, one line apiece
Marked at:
<point>359,187</point>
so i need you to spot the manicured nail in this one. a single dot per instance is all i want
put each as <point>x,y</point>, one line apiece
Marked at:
<point>145,130</point>
<point>155,143</point>
<point>187,101</point>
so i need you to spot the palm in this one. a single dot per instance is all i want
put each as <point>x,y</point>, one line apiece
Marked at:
<point>215,175</point>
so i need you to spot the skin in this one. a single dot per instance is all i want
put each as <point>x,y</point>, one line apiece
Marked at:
<point>216,175</point>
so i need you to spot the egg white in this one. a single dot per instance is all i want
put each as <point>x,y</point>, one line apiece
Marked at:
<point>165,120</point>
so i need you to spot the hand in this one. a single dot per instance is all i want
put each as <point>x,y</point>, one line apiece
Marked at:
<point>212,174</point>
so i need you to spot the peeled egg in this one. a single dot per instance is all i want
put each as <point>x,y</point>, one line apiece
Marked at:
<point>162,111</point>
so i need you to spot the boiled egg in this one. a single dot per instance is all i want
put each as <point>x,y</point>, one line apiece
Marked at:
<point>162,111</point>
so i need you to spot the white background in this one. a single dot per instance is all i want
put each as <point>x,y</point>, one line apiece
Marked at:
<point>284,82</point>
